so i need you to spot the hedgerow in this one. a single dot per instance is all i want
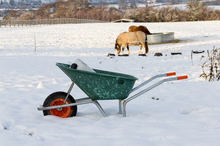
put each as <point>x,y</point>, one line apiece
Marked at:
<point>195,11</point>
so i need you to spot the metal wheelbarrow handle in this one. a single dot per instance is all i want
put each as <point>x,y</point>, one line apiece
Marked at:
<point>124,102</point>
<point>152,78</point>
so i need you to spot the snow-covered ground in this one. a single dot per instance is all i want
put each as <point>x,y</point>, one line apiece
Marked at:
<point>187,112</point>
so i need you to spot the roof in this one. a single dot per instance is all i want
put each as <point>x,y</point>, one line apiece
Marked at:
<point>123,20</point>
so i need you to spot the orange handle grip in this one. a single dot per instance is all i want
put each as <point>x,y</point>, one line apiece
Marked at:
<point>171,74</point>
<point>182,77</point>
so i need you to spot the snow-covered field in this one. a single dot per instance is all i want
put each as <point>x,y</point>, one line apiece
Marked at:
<point>187,112</point>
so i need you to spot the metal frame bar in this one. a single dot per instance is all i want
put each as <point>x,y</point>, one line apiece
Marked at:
<point>68,93</point>
<point>151,79</point>
<point>124,102</point>
<point>144,83</point>
<point>80,101</point>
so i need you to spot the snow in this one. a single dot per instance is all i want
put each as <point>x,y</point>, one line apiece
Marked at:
<point>161,5</point>
<point>186,112</point>
<point>183,6</point>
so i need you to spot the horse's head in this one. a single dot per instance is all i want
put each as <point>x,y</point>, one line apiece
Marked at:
<point>145,30</point>
<point>117,48</point>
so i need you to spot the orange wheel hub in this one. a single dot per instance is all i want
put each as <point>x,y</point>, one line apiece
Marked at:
<point>61,112</point>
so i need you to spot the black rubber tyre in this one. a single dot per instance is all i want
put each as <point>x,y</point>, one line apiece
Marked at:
<point>57,98</point>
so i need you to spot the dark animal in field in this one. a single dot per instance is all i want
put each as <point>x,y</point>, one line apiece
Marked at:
<point>139,28</point>
<point>131,38</point>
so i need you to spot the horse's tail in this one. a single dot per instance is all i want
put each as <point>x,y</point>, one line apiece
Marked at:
<point>146,47</point>
<point>148,32</point>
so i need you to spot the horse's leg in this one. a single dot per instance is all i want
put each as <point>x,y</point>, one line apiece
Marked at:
<point>140,48</point>
<point>118,49</point>
<point>123,47</point>
<point>128,48</point>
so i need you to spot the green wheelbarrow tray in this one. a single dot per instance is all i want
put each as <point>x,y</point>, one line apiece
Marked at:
<point>98,85</point>
<point>101,85</point>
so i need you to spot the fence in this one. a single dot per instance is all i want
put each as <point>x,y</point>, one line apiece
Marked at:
<point>21,23</point>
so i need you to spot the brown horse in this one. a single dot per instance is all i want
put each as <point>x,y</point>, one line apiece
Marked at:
<point>131,38</point>
<point>139,28</point>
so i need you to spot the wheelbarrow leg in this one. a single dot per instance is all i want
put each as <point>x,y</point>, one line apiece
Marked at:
<point>120,108</point>
<point>124,107</point>
<point>100,108</point>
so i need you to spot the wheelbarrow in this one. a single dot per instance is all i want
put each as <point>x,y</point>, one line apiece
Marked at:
<point>98,85</point>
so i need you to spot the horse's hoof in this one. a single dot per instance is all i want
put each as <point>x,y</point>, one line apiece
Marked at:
<point>110,54</point>
<point>142,55</point>
<point>158,54</point>
<point>176,53</point>
<point>198,52</point>
<point>123,55</point>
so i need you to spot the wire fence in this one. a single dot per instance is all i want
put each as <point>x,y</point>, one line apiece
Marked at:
<point>30,42</point>
<point>40,43</point>
<point>35,22</point>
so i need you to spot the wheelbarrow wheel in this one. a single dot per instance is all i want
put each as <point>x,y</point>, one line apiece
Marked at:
<point>57,98</point>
